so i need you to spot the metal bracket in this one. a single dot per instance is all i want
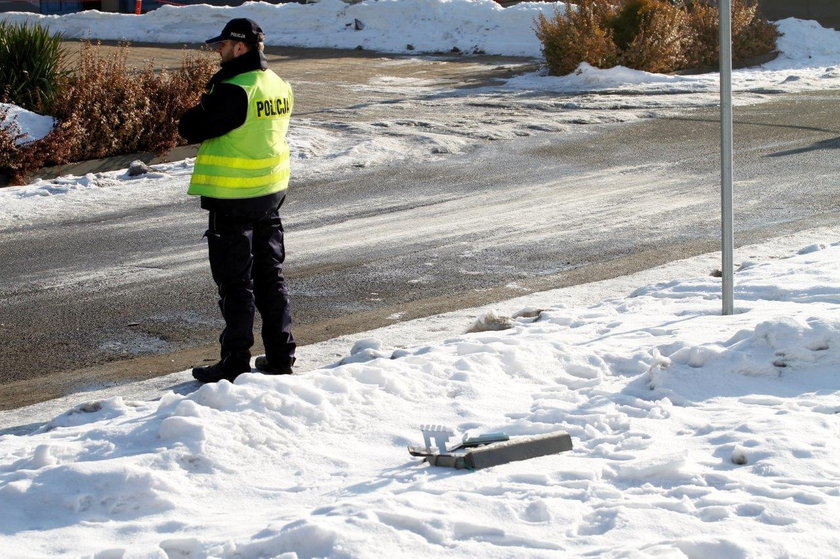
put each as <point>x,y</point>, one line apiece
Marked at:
<point>439,433</point>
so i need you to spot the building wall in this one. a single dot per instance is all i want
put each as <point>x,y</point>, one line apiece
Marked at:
<point>827,12</point>
<point>49,6</point>
<point>20,6</point>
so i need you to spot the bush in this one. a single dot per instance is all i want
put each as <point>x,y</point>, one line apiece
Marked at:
<point>9,134</point>
<point>18,161</point>
<point>110,109</point>
<point>578,35</point>
<point>752,35</point>
<point>119,110</point>
<point>703,49</point>
<point>650,35</point>
<point>32,66</point>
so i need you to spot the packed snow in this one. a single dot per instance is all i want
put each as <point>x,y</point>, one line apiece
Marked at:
<point>695,435</point>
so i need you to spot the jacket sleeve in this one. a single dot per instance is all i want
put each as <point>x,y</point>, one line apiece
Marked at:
<point>220,111</point>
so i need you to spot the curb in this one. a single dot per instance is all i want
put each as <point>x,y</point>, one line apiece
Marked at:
<point>116,162</point>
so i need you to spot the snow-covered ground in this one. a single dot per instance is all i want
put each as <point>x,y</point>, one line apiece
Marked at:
<point>695,435</point>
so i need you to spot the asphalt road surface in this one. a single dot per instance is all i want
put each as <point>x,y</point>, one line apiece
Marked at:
<point>129,295</point>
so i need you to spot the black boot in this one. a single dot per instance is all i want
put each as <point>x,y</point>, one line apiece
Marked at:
<point>267,368</point>
<point>217,372</point>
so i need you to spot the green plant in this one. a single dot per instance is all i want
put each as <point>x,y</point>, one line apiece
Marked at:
<point>32,66</point>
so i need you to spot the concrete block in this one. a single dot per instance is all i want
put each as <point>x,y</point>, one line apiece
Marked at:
<point>518,448</point>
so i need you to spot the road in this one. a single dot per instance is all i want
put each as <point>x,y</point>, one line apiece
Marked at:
<point>128,295</point>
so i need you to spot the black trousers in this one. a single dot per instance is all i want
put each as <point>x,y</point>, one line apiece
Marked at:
<point>246,259</point>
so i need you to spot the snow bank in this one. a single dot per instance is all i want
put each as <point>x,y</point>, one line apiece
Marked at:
<point>695,435</point>
<point>805,43</point>
<point>384,25</point>
<point>20,121</point>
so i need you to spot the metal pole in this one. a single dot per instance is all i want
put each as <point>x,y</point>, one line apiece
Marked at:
<point>727,236</point>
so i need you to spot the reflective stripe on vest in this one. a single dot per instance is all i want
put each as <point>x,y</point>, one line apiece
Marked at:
<point>252,160</point>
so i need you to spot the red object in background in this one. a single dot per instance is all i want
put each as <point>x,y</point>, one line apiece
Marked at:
<point>137,7</point>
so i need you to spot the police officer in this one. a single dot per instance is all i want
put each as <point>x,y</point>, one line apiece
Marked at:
<point>242,173</point>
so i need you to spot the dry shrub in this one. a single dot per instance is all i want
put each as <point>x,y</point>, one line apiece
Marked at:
<point>651,35</point>
<point>9,135</point>
<point>19,161</point>
<point>752,35</point>
<point>171,94</point>
<point>110,109</point>
<point>577,35</point>
<point>121,110</point>
<point>703,21</point>
<point>107,104</point>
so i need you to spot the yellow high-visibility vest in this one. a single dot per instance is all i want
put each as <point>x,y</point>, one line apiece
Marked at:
<point>252,160</point>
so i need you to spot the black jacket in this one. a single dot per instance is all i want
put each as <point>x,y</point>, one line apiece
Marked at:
<point>224,107</point>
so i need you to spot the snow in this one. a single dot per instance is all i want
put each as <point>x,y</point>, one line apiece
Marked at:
<point>32,126</point>
<point>387,25</point>
<point>808,61</point>
<point>695,435</point>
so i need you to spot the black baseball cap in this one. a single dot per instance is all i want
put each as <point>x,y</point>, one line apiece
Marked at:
<point>240,29</point>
